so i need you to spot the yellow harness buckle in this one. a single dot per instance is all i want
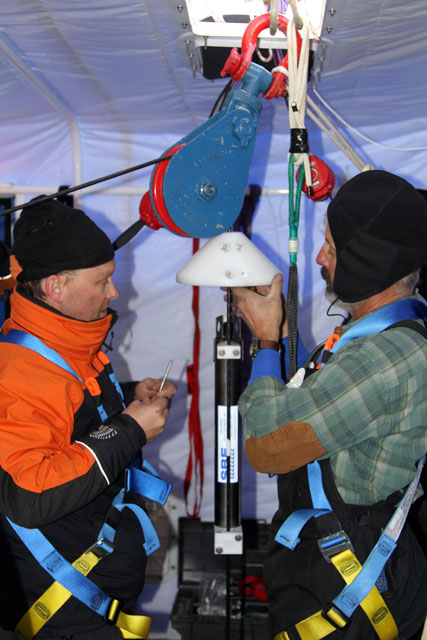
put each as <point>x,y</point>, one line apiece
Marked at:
<point>334,616</point>
<point>113,611</point>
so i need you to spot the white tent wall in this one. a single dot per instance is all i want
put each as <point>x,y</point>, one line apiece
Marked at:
<point>117,68</point>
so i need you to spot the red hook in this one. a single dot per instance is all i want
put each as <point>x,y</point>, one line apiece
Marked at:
<point>237,64</point>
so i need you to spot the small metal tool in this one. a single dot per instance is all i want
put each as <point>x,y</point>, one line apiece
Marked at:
<point>168,368</point>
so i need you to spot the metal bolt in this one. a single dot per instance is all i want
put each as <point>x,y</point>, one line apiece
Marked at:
<point>184,25</point>
<point>329,29</point>
<point>180,7</point>
<point>236,353</point>
<point>229,275</point>
<point>207,189</point>
<point>221,352</point>
<point>243,129</point>
<point>239,247</point>
<point>332,12</point>
<point>219,549</point>
<point>225,246</point>
<point>238,537</point>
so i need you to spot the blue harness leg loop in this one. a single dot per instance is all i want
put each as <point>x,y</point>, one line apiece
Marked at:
<point>288,534</point>
<point>62,571</point>
<point>151,540</point>
<point>147,485</point>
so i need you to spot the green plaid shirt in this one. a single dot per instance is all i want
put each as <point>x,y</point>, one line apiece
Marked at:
<point>367,407</point>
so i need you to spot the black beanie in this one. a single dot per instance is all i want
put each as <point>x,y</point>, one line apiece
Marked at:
<point>378,222</point>
<point>50,237</point>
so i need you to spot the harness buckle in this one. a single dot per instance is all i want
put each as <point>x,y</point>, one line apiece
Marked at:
<point>333,544</point>
<point>332,614</point>
<point>113,611</point>
<point>101,548</point>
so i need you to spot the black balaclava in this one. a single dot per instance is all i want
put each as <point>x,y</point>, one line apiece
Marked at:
<point>50,237</point>
<point>378,222</point>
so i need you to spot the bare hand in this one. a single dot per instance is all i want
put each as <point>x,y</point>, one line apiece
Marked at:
<point>148,389</point>
<point>262,308</point>
<point>151,416</point>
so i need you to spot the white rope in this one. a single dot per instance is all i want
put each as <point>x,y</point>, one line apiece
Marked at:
<point>297,17</point>
<point>297,87</point>
<point>378,144</point>
<point>335,135</point>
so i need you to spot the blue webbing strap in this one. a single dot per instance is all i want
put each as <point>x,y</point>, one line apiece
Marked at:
<point>353,594</point>
<point>62,571</point>
<point>151,543</point>
<point>288,533</point>
<point>147,485</point>
<point>117,386</point>
<point>15,336</point>
<point>376,322</point>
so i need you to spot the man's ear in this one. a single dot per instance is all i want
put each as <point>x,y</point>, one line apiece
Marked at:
<point>54,288</point>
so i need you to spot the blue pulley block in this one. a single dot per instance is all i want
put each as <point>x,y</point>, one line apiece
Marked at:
<point>203,185</point>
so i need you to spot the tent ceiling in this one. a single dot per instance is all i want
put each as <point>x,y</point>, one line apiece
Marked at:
<point>117,66</point>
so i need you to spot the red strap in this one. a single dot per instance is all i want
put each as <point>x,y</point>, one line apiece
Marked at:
<point>195,459</point>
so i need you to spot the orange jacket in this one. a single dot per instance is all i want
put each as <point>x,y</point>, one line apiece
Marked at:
<point>60,469</point>
<point>49,465</point>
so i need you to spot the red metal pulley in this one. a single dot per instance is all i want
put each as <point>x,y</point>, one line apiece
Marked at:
<point>322,178</point>
<point>157,194</point>
<point>147,213</point>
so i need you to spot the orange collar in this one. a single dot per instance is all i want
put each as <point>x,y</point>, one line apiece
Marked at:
<point>65,335</point>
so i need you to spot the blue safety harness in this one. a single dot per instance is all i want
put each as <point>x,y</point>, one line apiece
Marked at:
<point>143,481</point>
<point>288,534</point>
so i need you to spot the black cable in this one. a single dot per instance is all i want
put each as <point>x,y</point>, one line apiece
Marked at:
<point>63,192</point>
<point>328,313</point>
<point>221,98</point>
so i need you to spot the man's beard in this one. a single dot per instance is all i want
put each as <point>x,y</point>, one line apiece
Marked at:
<point>330,294</point>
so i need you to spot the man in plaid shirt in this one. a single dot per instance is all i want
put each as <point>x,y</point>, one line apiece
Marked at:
<point>362,415</point>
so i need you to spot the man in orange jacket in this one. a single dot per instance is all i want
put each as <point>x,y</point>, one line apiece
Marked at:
<point>68,434</point>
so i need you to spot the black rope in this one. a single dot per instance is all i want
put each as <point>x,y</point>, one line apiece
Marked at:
<point>63,192</point>
<point>292,312</point>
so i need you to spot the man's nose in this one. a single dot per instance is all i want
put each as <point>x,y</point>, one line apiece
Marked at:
<point>322,258</point>
<point>113,292</point>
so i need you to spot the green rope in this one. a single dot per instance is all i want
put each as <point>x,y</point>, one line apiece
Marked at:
<point>294,207</point>
<point>292,297</point>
